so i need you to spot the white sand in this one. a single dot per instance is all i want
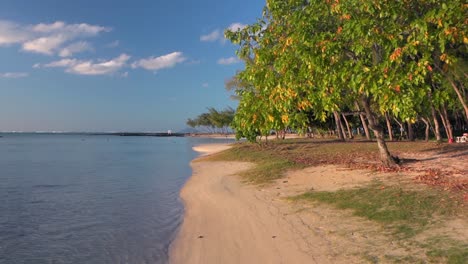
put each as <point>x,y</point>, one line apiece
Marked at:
<point>226,222</point>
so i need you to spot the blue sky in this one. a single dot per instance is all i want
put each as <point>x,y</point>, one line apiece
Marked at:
<point>115,65</point>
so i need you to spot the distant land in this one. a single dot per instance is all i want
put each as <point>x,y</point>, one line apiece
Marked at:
<point>123,134</point>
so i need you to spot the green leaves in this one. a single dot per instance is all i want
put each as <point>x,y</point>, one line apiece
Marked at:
<point>329,53</point>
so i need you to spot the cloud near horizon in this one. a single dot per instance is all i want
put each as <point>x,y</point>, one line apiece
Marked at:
<point>58,38</point>
<point>13,75</point>
<point>89,67</point>
<point>161,62</point>
<point>228,61</point>
<point>218,35</point>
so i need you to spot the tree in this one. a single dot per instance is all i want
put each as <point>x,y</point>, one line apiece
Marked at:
<point>319,55</point>
<point>214,119</point>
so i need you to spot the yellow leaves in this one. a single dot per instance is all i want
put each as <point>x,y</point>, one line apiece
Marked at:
<point>366,69</point>
<point>439,22</point>
<point>285,119</point>
<point>346,17</point>
<point>443,57</point>
<point>465,40</point>
<point>416,43</point>
<point>396,54</point>
<point>254,118</point>
<point>451,31</point>
<point>271,118</point>
<point>287,43</point>
<point>303,105</point>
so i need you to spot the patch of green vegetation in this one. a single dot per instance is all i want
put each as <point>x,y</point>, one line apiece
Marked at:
<point>269,165</point>
<point>453,255</point>
<point>404,259</point>
<point>447,250</point>
<point>404,212</point>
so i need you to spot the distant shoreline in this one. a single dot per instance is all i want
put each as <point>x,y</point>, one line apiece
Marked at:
<point>125,134</point>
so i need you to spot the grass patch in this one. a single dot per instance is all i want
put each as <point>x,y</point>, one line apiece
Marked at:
<point>447,250</point>
<point>269,165</point>
<point>405,212</point>
<point>453,255</point>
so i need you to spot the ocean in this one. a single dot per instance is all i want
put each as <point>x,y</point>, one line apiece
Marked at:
<point>91,198</point>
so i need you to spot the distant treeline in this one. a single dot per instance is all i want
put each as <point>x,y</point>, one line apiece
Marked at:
<point>214,121</point>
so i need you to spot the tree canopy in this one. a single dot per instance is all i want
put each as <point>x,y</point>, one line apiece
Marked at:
<point>400,58</point>
<point>213,121</point>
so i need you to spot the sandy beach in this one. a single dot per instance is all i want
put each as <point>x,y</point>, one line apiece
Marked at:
<point>228,221</point>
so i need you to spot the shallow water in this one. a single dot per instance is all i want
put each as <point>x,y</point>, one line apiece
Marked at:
<point>91,199</point>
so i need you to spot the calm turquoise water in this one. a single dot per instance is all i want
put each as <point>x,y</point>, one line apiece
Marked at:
<point>91,199</point>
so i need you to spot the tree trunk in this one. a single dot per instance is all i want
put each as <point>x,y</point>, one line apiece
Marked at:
<point>410,131</point>
<point>363,121</point>
<point>444,115</point>
<point>364,125</point>
<point>402,129</point>
<point>436,125</point>
<point>342,128</point>
<point>350,133</point>
<point>385,156</point>
<point>389,127</point>
<point>339,129</point>
<point>426,122</point>
<point>460,97</point>
<point>444,124</point>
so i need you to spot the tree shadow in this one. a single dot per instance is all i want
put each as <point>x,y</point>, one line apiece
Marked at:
<point>450,148</point>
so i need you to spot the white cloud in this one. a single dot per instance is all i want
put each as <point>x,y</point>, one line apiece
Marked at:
<point>13,75</point>
<point>71,30</point>
<point>75,48</point>
<point>205,85</point>
<point>236,26</point>
<point>228,61</point>
<point>11,33</point>
<point>218,35</point>
<point>161,62</point>
<point>211,37</point>
<point>48,39</point>
<point>44,45</point>
<point>89,67</point>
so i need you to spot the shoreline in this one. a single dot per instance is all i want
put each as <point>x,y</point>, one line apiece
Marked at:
<point>227,221</point>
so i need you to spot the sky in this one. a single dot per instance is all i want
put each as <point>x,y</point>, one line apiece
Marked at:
<point>116,65</point>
